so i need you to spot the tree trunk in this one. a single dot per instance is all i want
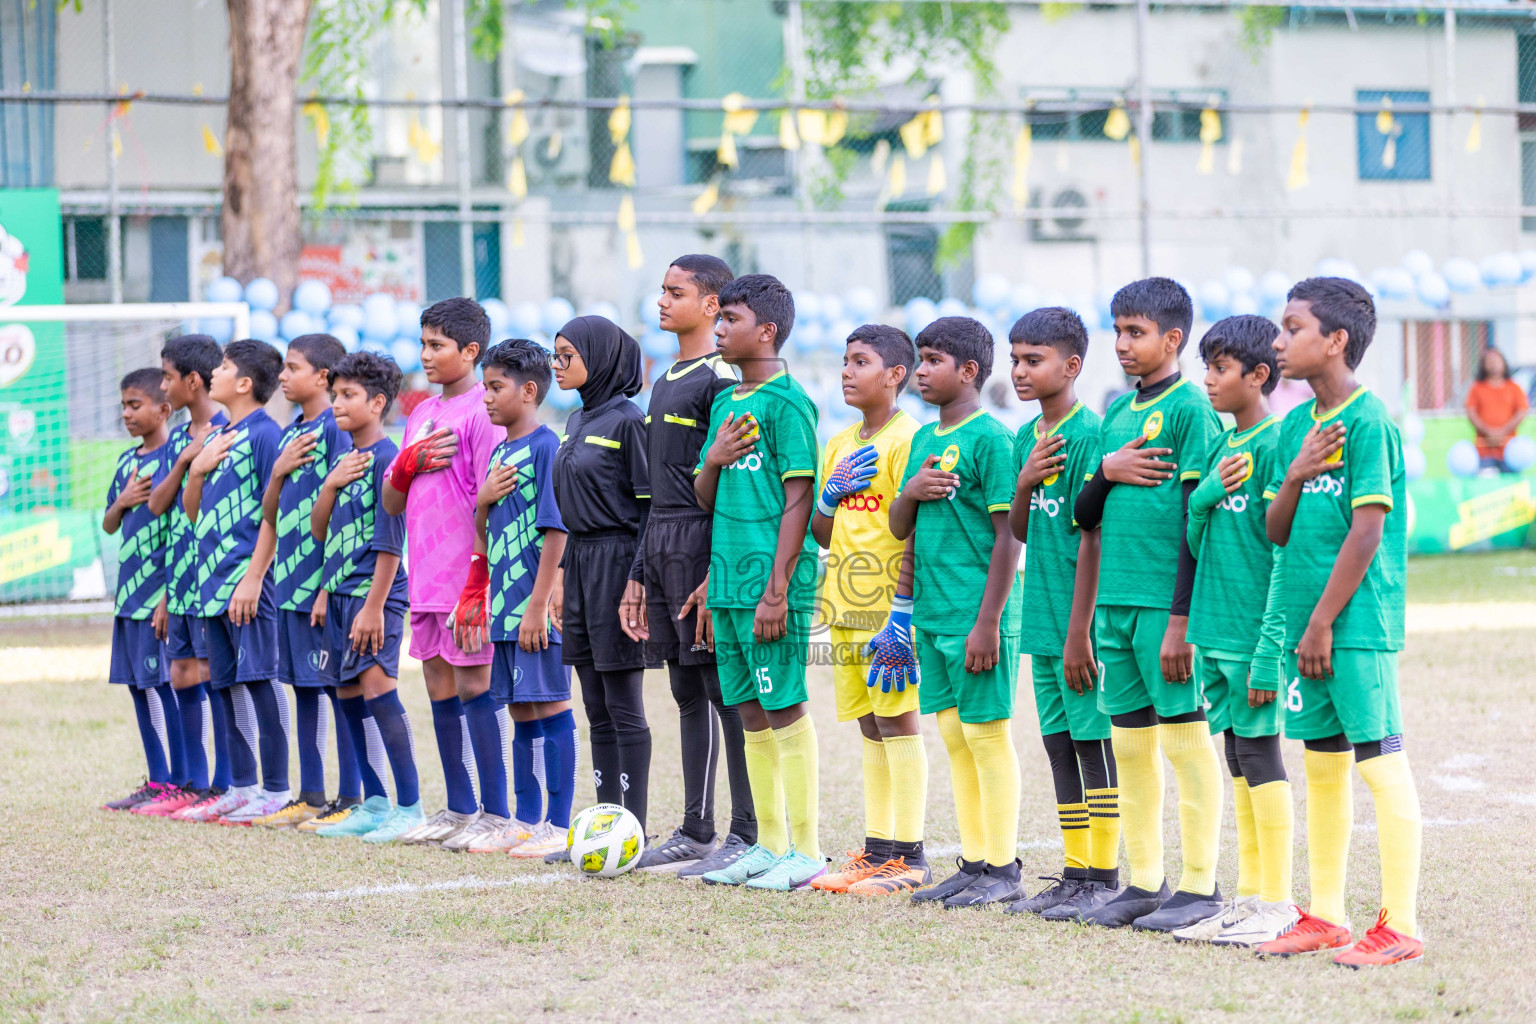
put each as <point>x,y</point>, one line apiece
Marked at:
<point>260,217</point>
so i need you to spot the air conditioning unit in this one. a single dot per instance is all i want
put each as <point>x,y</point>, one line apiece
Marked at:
<point>556,151</point>
<point>1065,221</point>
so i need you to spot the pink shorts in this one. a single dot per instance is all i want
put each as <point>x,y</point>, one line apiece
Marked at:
<point>431,638</point>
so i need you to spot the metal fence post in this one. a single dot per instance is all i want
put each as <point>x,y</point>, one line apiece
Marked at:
<point>114,218</point>
<point>461,151</point>
<point>1144,133</point>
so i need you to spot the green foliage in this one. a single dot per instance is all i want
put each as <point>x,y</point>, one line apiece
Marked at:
<point>1257,27</point>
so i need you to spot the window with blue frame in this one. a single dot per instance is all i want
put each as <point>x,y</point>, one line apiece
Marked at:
<point>1401,153</point>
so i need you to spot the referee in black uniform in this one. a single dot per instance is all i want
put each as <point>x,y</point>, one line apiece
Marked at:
<point>603,488</point>
<point>672,565</point>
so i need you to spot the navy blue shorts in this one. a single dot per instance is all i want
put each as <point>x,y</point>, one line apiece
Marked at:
<point>300,649</point>
<point>524,677</point>
<point>138,658</point>
<point>185,638</point>
<point>241,654</point>
<point>340,664</point>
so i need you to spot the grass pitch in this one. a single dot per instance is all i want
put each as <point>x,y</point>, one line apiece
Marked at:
<point>117,918</point>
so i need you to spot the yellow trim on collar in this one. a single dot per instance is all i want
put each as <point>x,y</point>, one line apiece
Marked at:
<point>1331,413</point>
<point>941,431</point>
<point>1238,440</point>
<point>1059,424</point>
<point>1138,408</point>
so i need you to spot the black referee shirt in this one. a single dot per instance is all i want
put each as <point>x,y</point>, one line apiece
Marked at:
<point>600,469</point>
<point>678,425</point>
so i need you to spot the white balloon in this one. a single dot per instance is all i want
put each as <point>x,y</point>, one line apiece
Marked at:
<point>1418,262</point>
<point>408,317</point>
<point>861,303</point>
<point>952,307</point>
<point>1274,286</point>
<point>990,291</point>
<point>1461,275</point>
<point>808,306</point>
<point>1332,267</point>
<point>1414,462</point>
<point>555,314</point>
<point>1393,282</point>
<point>1214,300</point>
<point>604,309</point>
<point>1022,298</point>
<point>1238,279</point>
<point>1243,304</point>
<point>831,309</point>
<point>837,333</point>
<point>261,293</point>
<point>1413,428</point>
<point>1432,290</point>
<point>1501,270</point>
<point>526,318</point>
<point>1462,459</point>
<point>313,297</point>
<point>1527,264</point>
<point>1520,453</point>
<point>920,313</point>
<point>223,289</point>
<point>347,335</point>
<point>346,315</point>
<point>263,325</point>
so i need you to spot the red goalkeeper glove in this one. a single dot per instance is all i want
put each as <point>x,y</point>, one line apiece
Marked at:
<point>426,454</point>
<point>469,616</point>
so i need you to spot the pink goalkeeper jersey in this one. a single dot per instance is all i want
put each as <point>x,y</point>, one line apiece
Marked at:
<point>440,506</point>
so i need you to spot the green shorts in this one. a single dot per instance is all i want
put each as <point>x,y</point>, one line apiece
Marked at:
<point>1360,700</point>
<point>979,696</point>
<point>1223,677</point>
<point>1062,709</point>
<point>1130,644</point>
<point>773,674</point>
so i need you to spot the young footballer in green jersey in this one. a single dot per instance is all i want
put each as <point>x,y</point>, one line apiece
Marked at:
<point>1339,511</point>
<point>1054,455</point>
<point>757,479</point>
<point>954,499</point>
<point>1236,661</point>
<point>1146,572</point>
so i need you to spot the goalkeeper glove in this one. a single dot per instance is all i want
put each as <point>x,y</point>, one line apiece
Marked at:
<point>420,456</point>
<point>469,616</point>
<point>892,660</point>
<point>851,476</point>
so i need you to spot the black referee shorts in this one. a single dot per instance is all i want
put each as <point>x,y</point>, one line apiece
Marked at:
<point>596,570</point>
<point>676,561</point>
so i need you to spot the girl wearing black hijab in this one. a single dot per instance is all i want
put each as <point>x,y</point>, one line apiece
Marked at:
<point>602,485</point>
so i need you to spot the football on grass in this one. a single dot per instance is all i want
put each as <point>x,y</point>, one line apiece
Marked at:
<point>605,840</point>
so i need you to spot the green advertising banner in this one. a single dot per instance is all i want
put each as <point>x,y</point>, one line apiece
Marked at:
<point>37,557</point>
<point>1478,514</point>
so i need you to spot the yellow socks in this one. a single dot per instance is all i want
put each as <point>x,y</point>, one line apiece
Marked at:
<point>1330,819</point>
<point>1103,829</point>
<point>1273,826</point>
<point>1193,756</point>
<point>997,777</point>
<point>1247,840</point>
<point>909,786</point>
<point>962,776</point>
<point>799,768</point>
<point>1074,834</point>
<point>1399,836</point>
<point>762,755</point>
<point>1140,769</point>
<point>879,814</point>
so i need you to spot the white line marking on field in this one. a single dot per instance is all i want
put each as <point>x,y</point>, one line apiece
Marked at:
<point>1464,762</point>
<point>1528,799</point>
<point>1458,783</point>
<point>1370,826</point>
<point>412,888</point>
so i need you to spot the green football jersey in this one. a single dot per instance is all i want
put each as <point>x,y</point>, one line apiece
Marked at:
<point>1235,555</point>
<point>749,501</point>
<point>1143,526</point>
<point>1370,472</point>
<point>1050,558</point>
<point>954,537</point>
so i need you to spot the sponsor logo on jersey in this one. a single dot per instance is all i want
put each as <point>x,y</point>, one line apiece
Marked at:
<point>1336,456</point>
<point>1247,468</point>
<point>862,502</point>
<point>950,459</point>
<point>751,462</point>
<point>1237,503</point>
<point>1152,425</point>
<point>1050,506</point>
<point>1327,483</point>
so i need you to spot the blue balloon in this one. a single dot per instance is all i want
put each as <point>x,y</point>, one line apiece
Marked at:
<point>1527,264</point>
<point>379,323</point>
<point>406,353</point>
<point>836,338</point>
<point>861,304</point>
<point>1413,428</point>
<point>563,399</point>
<point>313,297</point>
<point>1393,282</point>
<point>555,314</point>
<point>220,328</point>
<point>347,335</point>
<point>294,323</point>
<point>378,348</point>
<point>263,325</point>
<point>990,292</point>
<point>658,345</point>
<point>1243,304</point>
<point>1414,462</point>
<point>408,318</point>
<point>1273,287</point>
<point>808,337</point>
<point>525,318</point>
<point>1462,459</point>
<point>1501,270</point>
<point>1520,453</point>
<point>831,309</point>
<point>261,293</point>
<point>1021,299</point>
<point>808,307</point>
<point>1433,290</point>
<point>346,315</point>
<point>1332,267</point>
<point>1215,301</point>
<point>952,307</point>
<point>920,313</point>
<point>222,289</point>
<point>604,309</point>
<point>1461,275</point>
<point>1418,262</point>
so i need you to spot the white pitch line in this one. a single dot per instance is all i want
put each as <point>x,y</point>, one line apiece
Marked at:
<point>412,888</point>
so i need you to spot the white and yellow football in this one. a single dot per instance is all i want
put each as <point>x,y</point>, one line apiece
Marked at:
<point>605,840</point>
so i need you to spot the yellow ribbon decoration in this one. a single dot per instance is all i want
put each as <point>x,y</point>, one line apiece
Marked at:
<point>933,124</point>
<point>1117,123</point>
<point>517,233</point>
<point>936,177</point>
<point>812,125</point>
<point>626,219</point>
<point>706,200</point>
<point>517,179</point>
<point>836,128</point>
<point>210,141</point>
<point>880,157</point>
<point>421,142</point>
<point>517,132</point>
<point>789,139</point>
<point>632,252</point>
<point>737,120</point>
<point>914,137</point>
<point>117,143</point>
<point>1475,133</point>
<point>622,170</point>
<point>1384,119</point>
<point>555,145</point>
<point>1023,153</point>
<point>726,154</point>
<point>898,182</point>
<point>1210,134</point>
<point>619,120</point>
<point>1297,179</point>
<point>322,121</point>
<point>1134,144</point>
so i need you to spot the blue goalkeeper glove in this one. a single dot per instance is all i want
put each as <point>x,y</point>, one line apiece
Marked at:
<point>851,476</point>
<point>892,660</point>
